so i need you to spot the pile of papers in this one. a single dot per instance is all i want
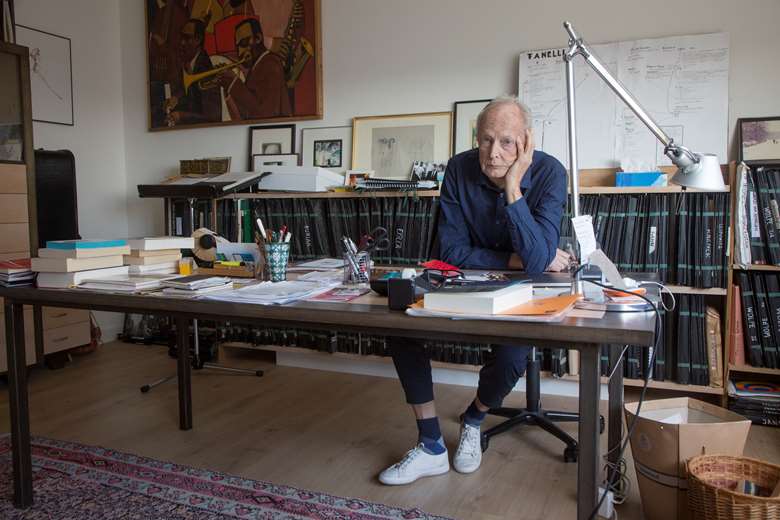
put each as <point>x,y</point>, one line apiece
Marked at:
<point>196,285</point>
<point>274,293</point>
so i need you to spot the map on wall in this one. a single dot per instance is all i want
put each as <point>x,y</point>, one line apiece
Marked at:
<point>682,82</point>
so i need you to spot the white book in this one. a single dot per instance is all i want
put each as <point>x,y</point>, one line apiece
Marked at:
<point>164,267</point>
<point>65,280</point>
<point>151,260</point>
<point>47,252</point>
<point>479,302</point>
<point>157,243</point>
<point>67,265</point>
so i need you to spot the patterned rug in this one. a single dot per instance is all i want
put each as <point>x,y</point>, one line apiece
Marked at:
<point>75,481</point>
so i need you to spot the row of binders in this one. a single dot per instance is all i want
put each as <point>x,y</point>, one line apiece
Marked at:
<point>318,225</point>
<point>689,353</point>
<point>756,320</point>
<point>758,401</point>
<point>681,236</point>
<point>757,222</point>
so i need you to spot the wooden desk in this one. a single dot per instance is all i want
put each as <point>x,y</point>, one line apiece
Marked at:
<point>586,335</point>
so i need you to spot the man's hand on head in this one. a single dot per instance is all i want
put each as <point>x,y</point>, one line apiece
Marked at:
<point>518,169</point>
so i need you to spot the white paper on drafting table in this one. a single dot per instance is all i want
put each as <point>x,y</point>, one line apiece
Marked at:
<point>681,81</point>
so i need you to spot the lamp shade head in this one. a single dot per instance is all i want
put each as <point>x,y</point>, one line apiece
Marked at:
<point>704,174</point>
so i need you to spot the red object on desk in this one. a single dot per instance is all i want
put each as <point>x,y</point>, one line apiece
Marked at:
<point>438,265</point>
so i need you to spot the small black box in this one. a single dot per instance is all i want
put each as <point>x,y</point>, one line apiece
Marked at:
<point>400,293</point>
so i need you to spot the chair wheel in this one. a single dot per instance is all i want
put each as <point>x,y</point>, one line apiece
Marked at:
<point>602,425</point>
<point>484,442</point>
<point>570,454</point>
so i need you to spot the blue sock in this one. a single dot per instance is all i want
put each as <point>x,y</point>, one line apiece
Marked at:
<point>430,436</point>
<point>472,416</point>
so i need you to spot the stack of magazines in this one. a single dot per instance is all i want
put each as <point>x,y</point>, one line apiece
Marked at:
<point>758,401</point>
<point>196,285</point>
<point>14,273</point>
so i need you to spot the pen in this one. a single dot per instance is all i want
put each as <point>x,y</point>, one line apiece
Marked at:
<point>287,237</point>
<point>261,228</point>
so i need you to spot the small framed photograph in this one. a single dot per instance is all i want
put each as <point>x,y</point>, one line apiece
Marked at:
<point>464,135</point>
<point>271,140</point>
<point>327,147</point>
<point>389,145</point>
<point>51,75</point>
<point>284,159</point>
<point>759,139</point>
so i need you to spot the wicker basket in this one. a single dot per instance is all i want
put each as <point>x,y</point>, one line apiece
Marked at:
<point>711,478</point>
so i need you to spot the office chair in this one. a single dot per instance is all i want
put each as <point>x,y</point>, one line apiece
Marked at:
<point>534,415</point>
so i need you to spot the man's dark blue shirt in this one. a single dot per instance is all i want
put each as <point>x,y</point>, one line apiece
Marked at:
<point>479,230</point>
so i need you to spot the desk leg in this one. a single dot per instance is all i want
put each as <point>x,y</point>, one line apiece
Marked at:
<point>184,373</point>
<point>20,411</point>
<point>40,354</point>
<point>588,467</point>
<point>615,435</point>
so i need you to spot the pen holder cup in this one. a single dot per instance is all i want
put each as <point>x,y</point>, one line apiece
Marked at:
<point>277,254</point>
<point>357,268</point>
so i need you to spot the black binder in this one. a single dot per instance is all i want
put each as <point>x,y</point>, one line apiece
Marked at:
<point>683,354</point>
<point>765,334</point>
<point>772,286</point>
<point>750,325</point>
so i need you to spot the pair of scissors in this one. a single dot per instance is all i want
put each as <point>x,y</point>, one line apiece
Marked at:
<point>377,240</point>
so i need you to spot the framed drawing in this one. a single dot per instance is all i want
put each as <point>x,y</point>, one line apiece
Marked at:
<point>759,139</point>
<point>284,159</point>
<point>271,140</point>
<point>464,133</point>
<point>327,147</point>
<point>237,62</point>
<point>389,145</point>
<point>51,76</point>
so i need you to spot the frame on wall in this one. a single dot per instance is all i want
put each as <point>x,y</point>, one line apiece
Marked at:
<point>271,140</point>
<point>464,132</point>
<point>282,159</point>
<point>51,75</point>
<point>759,139</point>
<point>250,85</point>
<point>327,147</point>
<point>390,144</point>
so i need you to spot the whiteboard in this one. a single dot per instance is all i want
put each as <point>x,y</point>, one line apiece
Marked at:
<point>681,81</point>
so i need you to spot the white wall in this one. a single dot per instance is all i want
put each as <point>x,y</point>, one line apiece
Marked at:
<point>97,138</point>
<point>401,56</point>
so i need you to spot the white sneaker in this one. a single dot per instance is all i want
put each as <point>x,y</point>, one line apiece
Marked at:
<point>469,455</point>
<point>415,464</point>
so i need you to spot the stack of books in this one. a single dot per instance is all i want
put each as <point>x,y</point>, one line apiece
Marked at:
<point>159,255</point>
<point>14,273</point>
<point>66,263</point>
<point>196,285</point>
<point>758,401</point>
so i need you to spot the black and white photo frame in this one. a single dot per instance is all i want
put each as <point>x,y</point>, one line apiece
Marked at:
<point>327,147</point>
<point>271,140</point>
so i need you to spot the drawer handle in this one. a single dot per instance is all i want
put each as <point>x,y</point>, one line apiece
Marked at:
<point>62,315</point>
<point>58,340</point>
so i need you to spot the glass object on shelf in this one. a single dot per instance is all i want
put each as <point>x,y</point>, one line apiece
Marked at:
<point>11,128</point>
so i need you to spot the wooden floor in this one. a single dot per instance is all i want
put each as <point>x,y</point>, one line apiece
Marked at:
<point>311,429</point>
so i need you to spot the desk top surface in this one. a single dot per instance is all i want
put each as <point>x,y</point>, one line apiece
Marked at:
<point>367,314</point>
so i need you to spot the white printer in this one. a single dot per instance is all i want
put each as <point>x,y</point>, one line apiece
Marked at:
<point>298,178</point>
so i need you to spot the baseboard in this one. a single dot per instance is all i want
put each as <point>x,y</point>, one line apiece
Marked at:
<point>375,367</point>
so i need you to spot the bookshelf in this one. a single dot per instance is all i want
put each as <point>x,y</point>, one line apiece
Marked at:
<point>732,370</point>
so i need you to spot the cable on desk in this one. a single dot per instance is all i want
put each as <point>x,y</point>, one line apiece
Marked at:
<point>658,329</point>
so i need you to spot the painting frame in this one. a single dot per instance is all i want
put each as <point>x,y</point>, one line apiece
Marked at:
<point>463,113</point>
<point>52,97</point>
<point>313,68</point>
<point>752,129</point>
<point>261,137</point>
<point>283,159</point>
<point>428,133</point>
<point>309,136</point>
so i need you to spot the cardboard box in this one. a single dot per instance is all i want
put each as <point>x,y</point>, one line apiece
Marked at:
<point>667,434</point>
